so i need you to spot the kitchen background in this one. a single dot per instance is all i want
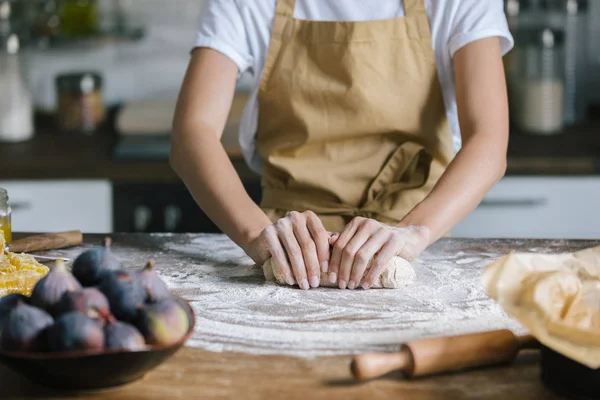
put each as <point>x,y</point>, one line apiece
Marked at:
<point>103,75</point>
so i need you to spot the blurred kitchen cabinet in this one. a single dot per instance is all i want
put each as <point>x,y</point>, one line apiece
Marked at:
<point>537,207</point>
<point>166,207</point>
<point>60,205</point>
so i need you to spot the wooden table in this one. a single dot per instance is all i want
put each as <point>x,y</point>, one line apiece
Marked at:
<point>195,374</point>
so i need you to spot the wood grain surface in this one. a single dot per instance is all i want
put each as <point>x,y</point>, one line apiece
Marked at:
<point>50,241</point>
<point>197,374</point>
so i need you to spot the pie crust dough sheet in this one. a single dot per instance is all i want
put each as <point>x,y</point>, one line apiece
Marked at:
<point>238,310</point>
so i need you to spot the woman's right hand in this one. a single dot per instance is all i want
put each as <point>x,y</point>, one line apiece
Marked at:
<point>299,246</point>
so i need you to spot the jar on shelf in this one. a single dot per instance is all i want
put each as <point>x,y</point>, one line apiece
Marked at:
<point>538,87</point>
<point>5,216</point>
<point>16,103</point>
<point>80,102</point>
<point>576,60</point>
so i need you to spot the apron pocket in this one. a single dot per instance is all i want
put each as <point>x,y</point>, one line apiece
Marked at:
<point>402,182</point>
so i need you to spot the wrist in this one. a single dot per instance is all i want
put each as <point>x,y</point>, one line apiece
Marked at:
<point>251,233</point>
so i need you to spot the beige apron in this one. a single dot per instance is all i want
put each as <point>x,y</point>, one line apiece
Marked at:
<point>352,119</point>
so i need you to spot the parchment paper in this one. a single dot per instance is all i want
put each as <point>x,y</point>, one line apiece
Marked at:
<point>556,297</point>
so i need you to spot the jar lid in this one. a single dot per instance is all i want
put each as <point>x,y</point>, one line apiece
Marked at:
<point>81,82</point>
<point>543,37</point>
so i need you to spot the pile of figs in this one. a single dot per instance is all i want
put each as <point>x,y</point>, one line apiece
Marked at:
<point>97,306</point>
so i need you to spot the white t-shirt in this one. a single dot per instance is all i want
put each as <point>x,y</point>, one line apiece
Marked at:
<point>241,29</point>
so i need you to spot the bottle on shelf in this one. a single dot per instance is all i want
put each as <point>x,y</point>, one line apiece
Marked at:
<point>16,105</point>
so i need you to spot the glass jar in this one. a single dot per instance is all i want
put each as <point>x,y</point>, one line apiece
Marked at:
<point>539,84</point>
<point>80,102</point>
<point>5,216</point>
<point>576,60</point>
<point>16,104</point>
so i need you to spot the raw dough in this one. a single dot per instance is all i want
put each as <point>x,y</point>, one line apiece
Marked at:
<point>397,274</point>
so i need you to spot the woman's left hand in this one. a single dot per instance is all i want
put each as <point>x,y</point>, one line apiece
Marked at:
<point>364,240</point>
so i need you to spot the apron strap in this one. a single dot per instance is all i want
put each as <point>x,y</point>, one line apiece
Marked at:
<point>286,8</point>
<point>414,7</point>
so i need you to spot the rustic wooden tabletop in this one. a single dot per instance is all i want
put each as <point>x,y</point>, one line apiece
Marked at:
<point>194,373</point>
<point>197,374</point>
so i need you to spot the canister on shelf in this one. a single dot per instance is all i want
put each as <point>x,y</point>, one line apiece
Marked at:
<point>576,61</point>
<point>538,89</point>
<point>80,102</point>
<point>5,216</point>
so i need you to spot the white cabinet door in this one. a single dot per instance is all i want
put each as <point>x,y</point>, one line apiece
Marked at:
<point>59,205</point>
<point>532,207</point>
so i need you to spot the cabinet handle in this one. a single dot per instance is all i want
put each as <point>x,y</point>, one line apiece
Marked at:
<point>172,218</point>
<point>509,203</point>
<point>141,219</point>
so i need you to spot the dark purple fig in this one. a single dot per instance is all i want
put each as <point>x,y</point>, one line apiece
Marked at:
<point>48,291</point>
<point>89,301</point>
<point>163,323</point>
<point>122,336</point>
<point>90,266</point>
<point>8,302</point>
<point>75,331</point>
<point>23,328</point>
<point>155,288</point>
<point>124,292</point>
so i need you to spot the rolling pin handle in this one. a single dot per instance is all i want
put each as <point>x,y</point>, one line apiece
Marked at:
<point>373,365</point>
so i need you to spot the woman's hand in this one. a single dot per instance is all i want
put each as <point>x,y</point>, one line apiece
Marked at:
<point>299,246</point>
<point>364,240</point>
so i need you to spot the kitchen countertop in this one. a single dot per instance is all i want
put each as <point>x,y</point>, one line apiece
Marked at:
<point>194,372</point>
<point>54,155</point>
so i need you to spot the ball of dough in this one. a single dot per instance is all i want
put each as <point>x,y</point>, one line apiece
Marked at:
<point>398,273</point>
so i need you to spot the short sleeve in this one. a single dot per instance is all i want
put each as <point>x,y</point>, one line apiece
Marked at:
<point>478,19</point>
<point>222,29</point>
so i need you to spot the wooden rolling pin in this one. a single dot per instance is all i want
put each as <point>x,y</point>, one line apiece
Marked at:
<point>446,354</point>
<point>50,241</point>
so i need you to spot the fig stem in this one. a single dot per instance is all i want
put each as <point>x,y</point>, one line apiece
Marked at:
<point>150,265</point>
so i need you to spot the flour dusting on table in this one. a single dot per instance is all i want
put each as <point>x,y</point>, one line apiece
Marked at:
<point>236,310</point>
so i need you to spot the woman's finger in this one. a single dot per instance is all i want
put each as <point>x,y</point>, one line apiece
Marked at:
<point>308,249</point>
<point>278,254</point>
<point>320,238</point>
<point>361,236</point>
<point>381,260</point>
<point>338,247</point>
<point>366,254</point>
<point>290,243</point>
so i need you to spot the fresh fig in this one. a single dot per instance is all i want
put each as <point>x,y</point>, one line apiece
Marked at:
<point>163,323</point>
<point>7,303</point>
<point>23,328</point>
<point>124,292</point>
<point>122,336</point>
<point>90,266</point>
<point>155,288</point>
<point>48,291</point>
<point>75,331</point>
<point>89,301</point>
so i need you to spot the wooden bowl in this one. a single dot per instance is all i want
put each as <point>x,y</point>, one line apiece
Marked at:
<point>92,371</point>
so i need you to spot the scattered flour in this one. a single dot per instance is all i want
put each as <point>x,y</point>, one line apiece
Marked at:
<point>236,310</point>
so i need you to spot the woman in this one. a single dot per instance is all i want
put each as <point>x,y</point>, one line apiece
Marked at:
<point>384,122</point>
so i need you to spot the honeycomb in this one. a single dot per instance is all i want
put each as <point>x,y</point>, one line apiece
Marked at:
<point>18,272</point>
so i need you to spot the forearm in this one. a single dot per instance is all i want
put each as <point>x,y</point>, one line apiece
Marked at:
<point>202,163</point>
<point>475,169</point>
